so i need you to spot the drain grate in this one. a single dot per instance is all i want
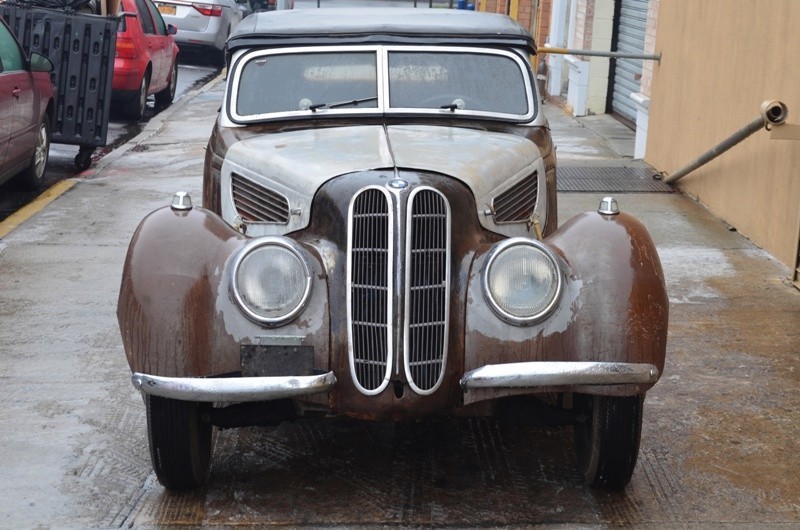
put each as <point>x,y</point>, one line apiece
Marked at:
<point>610,179</point>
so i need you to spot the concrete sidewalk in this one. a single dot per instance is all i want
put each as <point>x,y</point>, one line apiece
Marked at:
<point>721,428</point>
<point>591,140</point>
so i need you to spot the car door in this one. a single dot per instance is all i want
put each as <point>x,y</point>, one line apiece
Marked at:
<point>155,45</point>
<point>164,39</point>
<point>6,112</point>
<point>17,105</point>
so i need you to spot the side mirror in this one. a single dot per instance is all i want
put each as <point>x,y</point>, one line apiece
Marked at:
<point>40,63</point>
<point>172,30</point>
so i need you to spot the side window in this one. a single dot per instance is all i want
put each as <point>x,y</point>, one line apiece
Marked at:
<point>144,17</point>
<point>10,54</point>
<point>123,21</point>
<point>161,27</point>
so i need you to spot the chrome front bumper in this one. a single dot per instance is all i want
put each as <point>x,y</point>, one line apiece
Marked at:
<point>233,389</point>
<point>541,374</point>
<point>511,375</point>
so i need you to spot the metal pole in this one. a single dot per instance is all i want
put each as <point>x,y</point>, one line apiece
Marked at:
<point>772,113</point>
<point>592,53</point>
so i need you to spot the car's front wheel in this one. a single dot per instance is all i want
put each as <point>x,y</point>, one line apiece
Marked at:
<point>33,176</point>
<point>607,437</point>
<point>181,441</point>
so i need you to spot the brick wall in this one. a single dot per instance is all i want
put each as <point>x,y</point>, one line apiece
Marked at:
<point>584,19</point>
<point>542,29</point>
<point>522,10</point>
<point>649,47</point>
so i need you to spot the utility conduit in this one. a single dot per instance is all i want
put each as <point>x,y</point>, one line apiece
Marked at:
<point>772,113</point>
<point>592,53</point>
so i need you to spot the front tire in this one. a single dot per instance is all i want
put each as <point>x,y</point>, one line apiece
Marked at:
<point>607,438</point>
<point>32,177</point>
<point>181,442</point>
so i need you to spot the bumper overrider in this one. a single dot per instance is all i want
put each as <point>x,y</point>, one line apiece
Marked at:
<point>529,375</point>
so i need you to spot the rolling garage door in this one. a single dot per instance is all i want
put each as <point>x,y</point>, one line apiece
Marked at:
<point>629,30</point>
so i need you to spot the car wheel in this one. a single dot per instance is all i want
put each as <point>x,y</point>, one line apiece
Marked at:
<point>607,437</point>
<point>166,96</point>
<point>33,176</point>
<point>220,60</point>
<point>138,105</point>
<point>181,441</point>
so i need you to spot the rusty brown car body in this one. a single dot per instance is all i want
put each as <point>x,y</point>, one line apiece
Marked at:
<point>367,250</point>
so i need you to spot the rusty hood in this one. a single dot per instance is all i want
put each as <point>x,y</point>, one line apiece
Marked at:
<point>296,163</point>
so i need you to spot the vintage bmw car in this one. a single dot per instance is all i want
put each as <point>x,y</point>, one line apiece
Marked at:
<point>379,239</point>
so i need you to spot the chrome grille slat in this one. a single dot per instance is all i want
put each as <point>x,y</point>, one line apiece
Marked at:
<point>257,203</point>
<point>369,290</point>
<point>518,203</point>
<point>427,289</point>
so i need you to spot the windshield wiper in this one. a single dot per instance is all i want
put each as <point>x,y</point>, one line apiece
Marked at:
<point>313,108</point>
<point>457,103</point>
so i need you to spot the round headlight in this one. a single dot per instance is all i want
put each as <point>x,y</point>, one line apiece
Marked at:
<point>522,281</point>
<point>271,281</point>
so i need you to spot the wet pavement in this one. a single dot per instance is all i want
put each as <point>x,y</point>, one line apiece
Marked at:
<point>720,431</point>
<point>192,73</point>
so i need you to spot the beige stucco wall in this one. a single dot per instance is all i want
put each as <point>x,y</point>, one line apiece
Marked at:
<point>720,60</point>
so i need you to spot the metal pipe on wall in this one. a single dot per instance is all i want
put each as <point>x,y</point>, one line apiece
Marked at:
<point>592,53</point>
<point>772,113</point>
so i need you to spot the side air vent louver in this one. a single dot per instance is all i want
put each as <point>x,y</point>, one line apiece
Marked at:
<point>370,259</point>
<point>256,203</point>
<point>517,203</point>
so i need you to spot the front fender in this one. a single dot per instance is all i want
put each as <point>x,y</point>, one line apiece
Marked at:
<point>167,297</point>
<point>613,308</point>
<point>177,315</point>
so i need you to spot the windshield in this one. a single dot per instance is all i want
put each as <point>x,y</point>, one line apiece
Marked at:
<point>382,79</point>
<point>468,81</point>
<point>300,81</point>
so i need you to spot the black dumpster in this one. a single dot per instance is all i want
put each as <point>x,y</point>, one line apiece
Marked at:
<point>81,48</point>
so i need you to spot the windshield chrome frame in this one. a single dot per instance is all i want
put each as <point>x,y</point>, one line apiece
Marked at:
<point>383,109</point>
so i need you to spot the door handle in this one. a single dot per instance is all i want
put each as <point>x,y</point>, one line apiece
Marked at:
<point>16,92</point>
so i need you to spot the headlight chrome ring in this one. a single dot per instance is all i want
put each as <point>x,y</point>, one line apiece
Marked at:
<point>522,281</point>
<point>271,280</point>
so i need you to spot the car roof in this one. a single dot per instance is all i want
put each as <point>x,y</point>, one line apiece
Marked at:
<point>388,25</point>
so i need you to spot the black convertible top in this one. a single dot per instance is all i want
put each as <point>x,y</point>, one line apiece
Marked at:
<point>387,25</point>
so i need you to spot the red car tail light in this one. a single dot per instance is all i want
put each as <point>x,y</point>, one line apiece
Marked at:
<point>126,49</point>
<point>209,10</point>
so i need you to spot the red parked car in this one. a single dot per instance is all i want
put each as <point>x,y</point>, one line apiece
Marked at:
<point>26,111</point>
<point>146,61</point>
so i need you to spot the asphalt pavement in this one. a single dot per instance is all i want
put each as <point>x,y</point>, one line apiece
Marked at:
<point>721,427</point>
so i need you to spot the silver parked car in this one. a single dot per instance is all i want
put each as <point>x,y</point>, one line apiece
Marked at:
<point>201,25</point>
